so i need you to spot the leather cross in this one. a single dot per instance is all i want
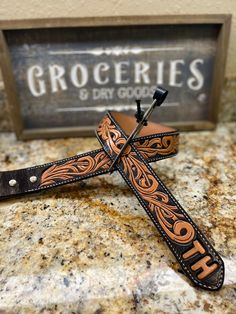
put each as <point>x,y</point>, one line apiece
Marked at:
<point>198,259</point>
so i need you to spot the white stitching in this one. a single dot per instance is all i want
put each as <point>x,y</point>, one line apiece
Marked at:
<point>63,160</point>
<point>78,178</point>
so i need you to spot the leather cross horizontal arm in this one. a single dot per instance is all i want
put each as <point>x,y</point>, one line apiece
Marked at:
<point>154,143</point>
<point>198,259</point>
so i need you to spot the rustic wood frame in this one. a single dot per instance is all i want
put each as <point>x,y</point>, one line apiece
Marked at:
<point>224,20</point>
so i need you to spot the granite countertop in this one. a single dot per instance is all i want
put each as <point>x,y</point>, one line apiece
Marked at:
<point>89,247</point>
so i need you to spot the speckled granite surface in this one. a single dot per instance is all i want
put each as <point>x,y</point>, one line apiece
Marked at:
<point>90,248</point>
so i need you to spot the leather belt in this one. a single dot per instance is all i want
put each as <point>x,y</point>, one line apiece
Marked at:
<point>198,259</point>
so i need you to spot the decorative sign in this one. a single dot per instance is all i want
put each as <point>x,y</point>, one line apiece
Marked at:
<point>65,78</point>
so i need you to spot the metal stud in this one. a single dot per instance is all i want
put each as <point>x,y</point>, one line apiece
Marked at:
<point>12,182</point>
<point>33,179</point>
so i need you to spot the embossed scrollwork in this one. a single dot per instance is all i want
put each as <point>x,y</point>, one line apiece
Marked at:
<point>169,217</point>
<point>75,167</point>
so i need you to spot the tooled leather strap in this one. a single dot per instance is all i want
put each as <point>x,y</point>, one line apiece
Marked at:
<point>198,259</point>
<point>155,143</point>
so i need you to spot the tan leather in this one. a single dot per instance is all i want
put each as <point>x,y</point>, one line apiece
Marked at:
<point>128,123</point>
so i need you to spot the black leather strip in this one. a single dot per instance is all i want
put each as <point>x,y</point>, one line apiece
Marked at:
<point>198,259</point>
<point>153,147</point>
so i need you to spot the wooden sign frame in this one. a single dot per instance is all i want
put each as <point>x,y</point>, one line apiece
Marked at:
<point>224,21</point>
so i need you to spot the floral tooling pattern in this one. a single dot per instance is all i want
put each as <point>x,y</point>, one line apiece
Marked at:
<point>169,216</point>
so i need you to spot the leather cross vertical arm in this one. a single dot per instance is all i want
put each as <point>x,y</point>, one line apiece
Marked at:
<point>198,259</point>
